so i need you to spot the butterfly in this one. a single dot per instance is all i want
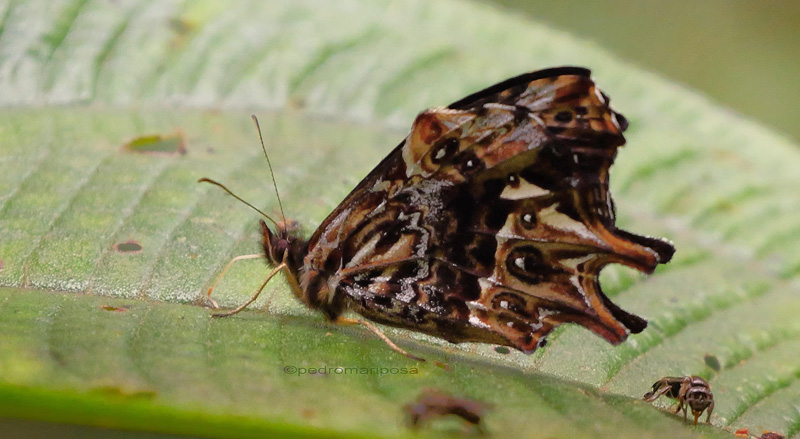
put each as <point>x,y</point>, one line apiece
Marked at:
<point>490,222</point>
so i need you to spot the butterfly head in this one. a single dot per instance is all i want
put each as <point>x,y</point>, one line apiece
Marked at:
<point>284,245</point>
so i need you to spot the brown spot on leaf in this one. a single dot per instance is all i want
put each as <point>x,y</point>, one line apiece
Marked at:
<point>297,103</point>
<point>435,403</point>
<point>182,29</point>
<point>128,247</point>
<point>114,308</point>
<point>181,25</point>
<point>158,144</point>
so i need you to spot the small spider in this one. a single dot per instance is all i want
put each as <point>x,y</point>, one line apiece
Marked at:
<point>690,391</point>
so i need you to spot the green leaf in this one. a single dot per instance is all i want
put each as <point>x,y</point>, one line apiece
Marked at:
<point>98,332</point>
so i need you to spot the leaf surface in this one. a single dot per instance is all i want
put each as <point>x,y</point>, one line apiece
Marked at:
<point>99,332</point>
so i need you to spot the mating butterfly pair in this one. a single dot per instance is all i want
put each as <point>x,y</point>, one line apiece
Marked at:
<point>489,223</point>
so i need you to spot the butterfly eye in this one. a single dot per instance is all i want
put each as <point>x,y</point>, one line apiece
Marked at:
<point>513,180</point>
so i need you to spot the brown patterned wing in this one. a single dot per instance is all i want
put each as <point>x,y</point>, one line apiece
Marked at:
<point>491,221</point>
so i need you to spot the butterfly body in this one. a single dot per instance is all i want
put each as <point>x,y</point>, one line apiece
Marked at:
<point>489,223</point>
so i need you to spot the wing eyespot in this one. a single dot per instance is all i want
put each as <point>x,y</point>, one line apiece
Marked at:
<point>469,163</point>
<point>563,117</point>
<point>527,263</point>
<point>510,302</point>
<point>444,150</point>
<point>528,220</point>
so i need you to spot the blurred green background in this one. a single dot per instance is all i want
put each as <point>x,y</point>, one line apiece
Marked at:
<point>743,54</point>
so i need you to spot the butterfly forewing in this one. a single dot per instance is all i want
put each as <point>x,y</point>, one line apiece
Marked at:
<point>490,222</point>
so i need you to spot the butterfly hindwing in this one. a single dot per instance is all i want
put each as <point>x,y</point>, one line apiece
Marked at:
<point>491,221</point>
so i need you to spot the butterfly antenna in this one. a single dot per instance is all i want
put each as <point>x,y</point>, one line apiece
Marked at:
<point>208,180</point>
<point>272,174</point>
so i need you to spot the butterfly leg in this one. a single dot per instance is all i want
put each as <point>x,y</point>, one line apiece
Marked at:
<point>238,309</point>
<point>379,333</point>
<point>225,270</point>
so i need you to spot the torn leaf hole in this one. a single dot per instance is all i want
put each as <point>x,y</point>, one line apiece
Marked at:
<point>501,350</point>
